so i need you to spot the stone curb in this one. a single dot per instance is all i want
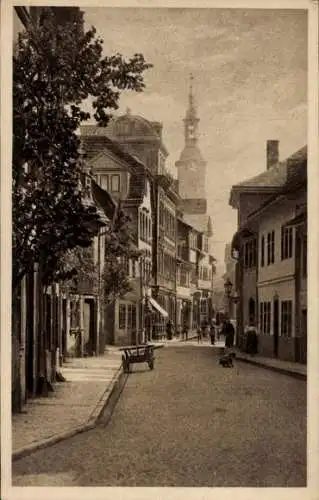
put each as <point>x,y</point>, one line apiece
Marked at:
<point>108,401</point>
<point>298,375</point>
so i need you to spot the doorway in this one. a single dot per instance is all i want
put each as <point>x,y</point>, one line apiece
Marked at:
<point>252,311</point>
<point>89,327</point>
<point>276,326</point>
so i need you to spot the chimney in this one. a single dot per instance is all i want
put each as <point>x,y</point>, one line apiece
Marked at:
<point>272,153</point>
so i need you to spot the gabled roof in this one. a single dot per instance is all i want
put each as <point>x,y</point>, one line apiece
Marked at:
<point>274,177</point>
<point>128,128</point>
<point>96,143</point>
<point>200,222</point>
<point>270,181</point>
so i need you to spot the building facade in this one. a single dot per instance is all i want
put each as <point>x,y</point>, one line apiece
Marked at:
<point>143,140</point>
<point>130,183</point>
<point>191,168</point>
<point>186,279</point>
<point>272,248</point>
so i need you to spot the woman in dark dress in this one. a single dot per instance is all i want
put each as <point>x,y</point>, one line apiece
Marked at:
<point>229,332</point>
<point>169,330</point>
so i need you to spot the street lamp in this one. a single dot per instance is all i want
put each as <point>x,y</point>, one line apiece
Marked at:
<point>228,287</point>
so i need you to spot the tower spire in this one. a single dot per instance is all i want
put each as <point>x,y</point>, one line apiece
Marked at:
<point>191,120</point>
<point>191,112</point>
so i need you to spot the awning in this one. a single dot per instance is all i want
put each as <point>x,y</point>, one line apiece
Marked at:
<point>158,307</point>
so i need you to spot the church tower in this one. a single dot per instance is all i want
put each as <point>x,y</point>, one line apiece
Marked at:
<point>191,166</point>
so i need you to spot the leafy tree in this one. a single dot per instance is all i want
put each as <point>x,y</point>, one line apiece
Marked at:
<point>78,264</point>
<point>118,250</point>
<point>57,65</point>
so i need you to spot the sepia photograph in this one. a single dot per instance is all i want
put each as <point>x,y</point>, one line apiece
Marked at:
<point>159,248</point>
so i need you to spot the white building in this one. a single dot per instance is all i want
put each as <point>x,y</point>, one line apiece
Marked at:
<point>272,248</point>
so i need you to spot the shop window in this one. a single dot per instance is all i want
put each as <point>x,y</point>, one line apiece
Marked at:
<point>129,315</point>
<point>133,317</point>
<point>286,318</point>
<point>122,316</point>
<point>203,306</point>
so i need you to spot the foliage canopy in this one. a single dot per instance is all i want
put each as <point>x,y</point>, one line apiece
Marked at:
<point>57,66</point>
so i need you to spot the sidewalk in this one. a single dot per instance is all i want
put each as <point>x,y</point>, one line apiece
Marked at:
<point>74,406</point>
<point>297,370</point>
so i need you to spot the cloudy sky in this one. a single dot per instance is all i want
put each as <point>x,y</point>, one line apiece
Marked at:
<point>250,85</point>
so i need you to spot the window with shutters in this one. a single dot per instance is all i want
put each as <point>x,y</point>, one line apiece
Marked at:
<point>286,318</point>
<point>122,316</point>
<point>270,248</point>
<point>286,243</point>
<point>265,318</point>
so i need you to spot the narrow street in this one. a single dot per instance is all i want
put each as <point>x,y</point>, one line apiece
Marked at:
<point>189,422</point>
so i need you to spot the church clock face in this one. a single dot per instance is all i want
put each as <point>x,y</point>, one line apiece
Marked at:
<point>192,167</point>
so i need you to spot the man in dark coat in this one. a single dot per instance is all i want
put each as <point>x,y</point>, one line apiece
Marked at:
<point>185,331</point>
<point>212,332</point>
<point>169,330</point>
<point>229,332</point>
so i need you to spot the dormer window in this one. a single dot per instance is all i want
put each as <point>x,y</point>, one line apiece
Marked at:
<point>111,182</point>
<point>115,183</point>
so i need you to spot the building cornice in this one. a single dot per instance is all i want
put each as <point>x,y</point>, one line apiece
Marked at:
<point>275,281</point>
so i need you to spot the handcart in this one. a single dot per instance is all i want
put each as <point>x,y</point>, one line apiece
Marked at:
<point>143,353</point>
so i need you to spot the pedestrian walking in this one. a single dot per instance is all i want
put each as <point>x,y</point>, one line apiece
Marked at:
<point>169,329</point>
<point>251,339</point>
<point>178,331</point>
<point>229,332</point>
<point>212,332</point>
<point>204,328</point>
<point>185,332</point>
<point>199,334</point>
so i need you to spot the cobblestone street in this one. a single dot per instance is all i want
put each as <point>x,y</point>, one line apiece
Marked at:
<point>189,422</point>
